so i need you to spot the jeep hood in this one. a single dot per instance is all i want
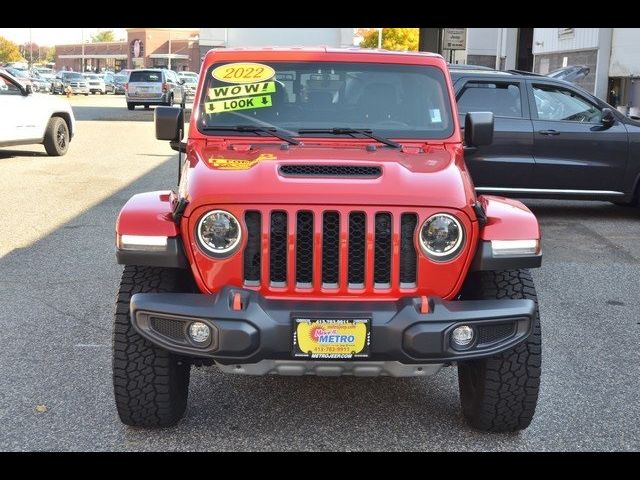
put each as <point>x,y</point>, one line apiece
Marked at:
<point>254,175</point>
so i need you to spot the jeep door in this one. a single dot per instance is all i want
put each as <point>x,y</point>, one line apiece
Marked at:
<point>573,150</point>
<point>508,162</point>
<point>15,122</point>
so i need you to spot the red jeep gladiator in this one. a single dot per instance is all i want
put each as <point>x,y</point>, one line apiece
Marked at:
<point>325,223</point>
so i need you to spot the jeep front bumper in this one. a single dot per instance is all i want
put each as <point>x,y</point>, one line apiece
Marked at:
<point>258,331</point>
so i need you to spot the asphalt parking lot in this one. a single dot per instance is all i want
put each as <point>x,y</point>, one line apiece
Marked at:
<point>58,279</point>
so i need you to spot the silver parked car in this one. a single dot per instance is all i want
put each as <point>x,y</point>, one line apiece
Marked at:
<point>95,83</point>
<point>154,87</point>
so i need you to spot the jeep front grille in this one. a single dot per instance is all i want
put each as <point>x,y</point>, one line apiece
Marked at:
<point>358,249</point>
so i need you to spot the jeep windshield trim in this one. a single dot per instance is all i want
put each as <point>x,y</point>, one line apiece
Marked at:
<point>388,100</point>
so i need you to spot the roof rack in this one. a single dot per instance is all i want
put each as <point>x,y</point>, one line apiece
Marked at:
<point>464,66</point>
<point>524,72</point>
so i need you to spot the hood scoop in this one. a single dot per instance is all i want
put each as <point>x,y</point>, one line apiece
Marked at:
<point>341,171</point>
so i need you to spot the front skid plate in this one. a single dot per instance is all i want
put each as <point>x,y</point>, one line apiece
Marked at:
<point>332,368</point>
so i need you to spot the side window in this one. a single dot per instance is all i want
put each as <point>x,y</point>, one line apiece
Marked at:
<point>8,88</point>
<point>561,104</point>
<point>501,98</point>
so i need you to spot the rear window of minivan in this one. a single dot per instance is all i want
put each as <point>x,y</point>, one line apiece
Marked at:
<point>145,77</point>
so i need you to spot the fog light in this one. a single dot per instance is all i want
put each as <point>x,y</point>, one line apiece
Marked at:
<point>462,336</point>
<point>199,332</point>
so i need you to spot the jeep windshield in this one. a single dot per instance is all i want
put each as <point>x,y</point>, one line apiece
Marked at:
<point>320,98</point>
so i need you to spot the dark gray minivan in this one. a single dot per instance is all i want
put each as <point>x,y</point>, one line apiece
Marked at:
<point>552,138</point>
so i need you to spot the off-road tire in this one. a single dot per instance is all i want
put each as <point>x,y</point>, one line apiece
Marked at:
<point>150,384</point>
<point>56,137</point>
<point>500,393</point>
<point>131,106</point>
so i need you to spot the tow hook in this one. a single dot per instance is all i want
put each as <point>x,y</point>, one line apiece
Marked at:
<point>179,210</point>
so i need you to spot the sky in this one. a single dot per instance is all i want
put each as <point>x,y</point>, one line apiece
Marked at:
<point>55,36</point>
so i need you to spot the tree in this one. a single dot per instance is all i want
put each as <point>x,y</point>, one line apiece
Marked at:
<point>103,36</point>
<point>50,56</point>
<point>9,51</point>
<point>392,38</point>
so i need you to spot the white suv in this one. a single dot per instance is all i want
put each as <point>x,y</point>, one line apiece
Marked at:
<point>95,83</point>
<point>28,119</point>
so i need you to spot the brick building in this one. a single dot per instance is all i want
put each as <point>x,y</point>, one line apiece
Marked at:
<point>144,48</point>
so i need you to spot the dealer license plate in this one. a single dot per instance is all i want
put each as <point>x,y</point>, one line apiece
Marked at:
<point>331,338</point>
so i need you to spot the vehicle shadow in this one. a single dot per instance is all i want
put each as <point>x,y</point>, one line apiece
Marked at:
<point>63,286</point>
<point>11,153</point>
<point>110,113</point>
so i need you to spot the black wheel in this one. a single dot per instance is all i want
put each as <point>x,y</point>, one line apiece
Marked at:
<point>150,384</point>
<point>170,101</point>
<point>56,137</point>
<point>130,106</point>
<point>146,107</point>
<point>500,393</point>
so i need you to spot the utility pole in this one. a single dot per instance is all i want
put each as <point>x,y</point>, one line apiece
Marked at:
<point>82,61</point>
<point>499,49</point>
<point>30,50</point>
<point>379,38</point>
<point>169,49</point>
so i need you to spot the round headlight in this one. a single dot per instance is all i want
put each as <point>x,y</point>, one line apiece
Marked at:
<point>441,236</point>
<point>219,232</point>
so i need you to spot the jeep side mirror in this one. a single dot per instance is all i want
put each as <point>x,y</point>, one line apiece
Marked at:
<point>169,123</point>
<point>478,129</point>
<point>608,118</point>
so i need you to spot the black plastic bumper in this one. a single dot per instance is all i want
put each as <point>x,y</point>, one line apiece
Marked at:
<point>485,260</point>
<point>171,256</point>
<point>263,329</point>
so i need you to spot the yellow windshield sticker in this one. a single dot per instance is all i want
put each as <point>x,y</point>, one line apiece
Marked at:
<point>243,73</point>
<point>238,104</point>
<point>230,91</point>
<point>235,164</point>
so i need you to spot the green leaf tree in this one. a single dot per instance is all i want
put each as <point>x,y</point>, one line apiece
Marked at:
<point>103,36</point>
<point>9,51</point>
<point>392,38</point>
<point>50,55</point>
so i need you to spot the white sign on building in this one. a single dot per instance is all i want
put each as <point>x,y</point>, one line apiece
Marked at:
<point>454,39</point>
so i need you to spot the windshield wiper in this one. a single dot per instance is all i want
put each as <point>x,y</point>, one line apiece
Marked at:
<point>350,131</point>
<point>254,128</point>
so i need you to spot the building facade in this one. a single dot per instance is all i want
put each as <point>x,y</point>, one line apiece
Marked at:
<point>173,48</point>
<point>555,48</point>
<point>624,70</point>
<point>260,37</point>
<point>501,48</point>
